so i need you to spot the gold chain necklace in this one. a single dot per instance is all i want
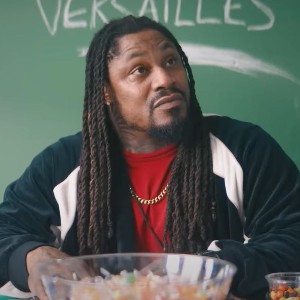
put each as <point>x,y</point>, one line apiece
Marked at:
<point>149,201</point>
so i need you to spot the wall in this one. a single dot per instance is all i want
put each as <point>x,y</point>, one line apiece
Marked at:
<point>244,54</point>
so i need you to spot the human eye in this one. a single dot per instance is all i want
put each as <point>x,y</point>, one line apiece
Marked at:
<point>172,61</point>
<point>139,70</point>
<point>138,73</point>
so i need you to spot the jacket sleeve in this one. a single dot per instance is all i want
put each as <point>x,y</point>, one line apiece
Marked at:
<point>271,184</point>
<point>26,214</point>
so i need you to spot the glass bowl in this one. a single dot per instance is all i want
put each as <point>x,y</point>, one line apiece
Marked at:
<point>135,276</point>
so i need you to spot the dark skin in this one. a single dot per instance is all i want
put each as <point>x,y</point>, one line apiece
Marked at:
<point>147,82</point>
<point>34,257</point>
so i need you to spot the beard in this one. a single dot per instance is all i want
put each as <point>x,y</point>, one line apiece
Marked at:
<point>171,133</point>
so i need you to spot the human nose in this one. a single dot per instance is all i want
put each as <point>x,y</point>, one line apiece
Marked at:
<point>162,79</point>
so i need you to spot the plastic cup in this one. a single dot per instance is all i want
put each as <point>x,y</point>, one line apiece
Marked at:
<point>134,276</point>
<point>284,286</point>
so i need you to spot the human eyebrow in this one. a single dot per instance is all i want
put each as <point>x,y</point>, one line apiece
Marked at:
<point>136,54</point>
<point>166,45</point>
<point>131,54</point>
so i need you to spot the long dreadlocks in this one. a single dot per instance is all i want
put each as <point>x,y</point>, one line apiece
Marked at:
<point>188,226</point>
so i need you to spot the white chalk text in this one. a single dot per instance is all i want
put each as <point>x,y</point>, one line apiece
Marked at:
<point>71,14</point>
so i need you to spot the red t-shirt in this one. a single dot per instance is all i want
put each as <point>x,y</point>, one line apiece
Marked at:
<point>149,174</point>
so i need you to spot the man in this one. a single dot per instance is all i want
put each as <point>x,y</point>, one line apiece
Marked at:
<point>150,173</point>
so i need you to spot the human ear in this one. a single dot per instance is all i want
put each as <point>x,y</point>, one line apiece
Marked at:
<point>107,94</point>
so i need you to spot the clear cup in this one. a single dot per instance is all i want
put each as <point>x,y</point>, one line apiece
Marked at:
<point>137,276</point>
<point>285,285</point>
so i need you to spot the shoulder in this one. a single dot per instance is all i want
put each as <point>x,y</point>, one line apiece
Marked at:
<point>244,140</point>
<point>69,145</point>
<point>248,143</point>
<point>222,125</point>
<point>59,159</point>
<point>234,133</point>
<point>47,169</point>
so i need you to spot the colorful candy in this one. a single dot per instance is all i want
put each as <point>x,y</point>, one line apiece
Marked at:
<point>282,292</point>
<point>135,286</point>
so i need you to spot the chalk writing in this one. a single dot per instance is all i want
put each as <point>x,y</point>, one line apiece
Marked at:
<point>230,59</point>
<point>69,15</point>
<point>52,29</point>
<point>263,8</point>
<point>93,11</point>
<point>96,10</point>
<point>233,60</point>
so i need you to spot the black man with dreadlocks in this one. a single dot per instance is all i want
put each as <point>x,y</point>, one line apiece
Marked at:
<point>150,173</point>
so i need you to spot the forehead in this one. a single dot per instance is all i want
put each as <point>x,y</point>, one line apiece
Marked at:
<point>148,40</point>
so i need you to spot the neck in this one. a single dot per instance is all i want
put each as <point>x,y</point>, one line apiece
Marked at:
<point>139,141</point>
<point>141,145</point>
<point>134,140</point>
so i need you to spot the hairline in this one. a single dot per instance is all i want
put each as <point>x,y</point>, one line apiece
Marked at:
<point>113,50</point>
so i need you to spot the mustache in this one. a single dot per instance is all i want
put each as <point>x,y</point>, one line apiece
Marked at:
<point>163,93</point>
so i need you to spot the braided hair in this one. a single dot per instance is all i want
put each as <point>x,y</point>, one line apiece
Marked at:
<point>188,226</point>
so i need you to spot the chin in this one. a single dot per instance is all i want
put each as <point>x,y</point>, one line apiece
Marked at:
<point>170,132</point>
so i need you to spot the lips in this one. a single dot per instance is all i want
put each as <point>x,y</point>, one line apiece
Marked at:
<point>168,99</point>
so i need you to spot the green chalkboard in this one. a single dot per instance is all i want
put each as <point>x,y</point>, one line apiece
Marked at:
<point>245,55</point>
